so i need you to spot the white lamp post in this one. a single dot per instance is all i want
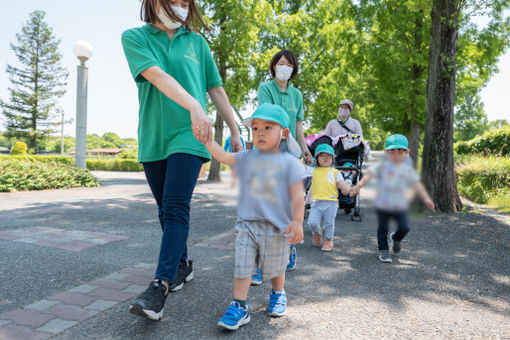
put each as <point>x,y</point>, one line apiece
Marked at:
<point>83,50</point>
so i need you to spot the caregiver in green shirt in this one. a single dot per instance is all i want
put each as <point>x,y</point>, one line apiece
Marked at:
<point>284,67</point>
<point>174,70</point>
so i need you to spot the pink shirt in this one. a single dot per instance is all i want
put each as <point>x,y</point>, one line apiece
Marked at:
<point>335,129</point>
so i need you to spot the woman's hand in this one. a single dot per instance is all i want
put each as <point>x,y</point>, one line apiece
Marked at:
<point>307,156</point>
<point>235,142</point>
<point>200,124</point>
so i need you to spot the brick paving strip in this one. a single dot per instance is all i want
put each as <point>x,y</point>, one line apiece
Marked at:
<point>223,241</point>
<point>55,314</point>
<point>73,240</point>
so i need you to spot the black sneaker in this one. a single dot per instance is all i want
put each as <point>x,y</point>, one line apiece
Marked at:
<point>396,244</point>
<point>151,303</point>
<point>384,256</point>
<point>184,274</point>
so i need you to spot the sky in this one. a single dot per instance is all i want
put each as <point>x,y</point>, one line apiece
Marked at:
<point>112,93</point>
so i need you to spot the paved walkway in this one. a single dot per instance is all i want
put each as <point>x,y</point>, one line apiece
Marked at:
<point>72,260</point>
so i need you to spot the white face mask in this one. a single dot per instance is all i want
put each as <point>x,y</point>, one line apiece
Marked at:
<point>283,72</point>
<point>343,113</point>
<point>182,13</point>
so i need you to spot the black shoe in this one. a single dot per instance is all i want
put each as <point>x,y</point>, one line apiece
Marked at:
<point>396,244</point>
<point>151,303</point>
<point>347,211</point>
<point>184,274</point>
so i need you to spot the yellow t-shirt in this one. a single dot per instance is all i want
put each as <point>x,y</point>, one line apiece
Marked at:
<point>324,184</point>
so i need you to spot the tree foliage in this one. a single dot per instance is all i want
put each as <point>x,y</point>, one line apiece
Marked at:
<point>37,84</point>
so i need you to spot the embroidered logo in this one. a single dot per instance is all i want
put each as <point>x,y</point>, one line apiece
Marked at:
<point>191,53</point>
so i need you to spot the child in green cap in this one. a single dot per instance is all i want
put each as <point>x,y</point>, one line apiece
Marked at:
<point>270,209</point>
<point>394,177</point>
<point>325,184</point>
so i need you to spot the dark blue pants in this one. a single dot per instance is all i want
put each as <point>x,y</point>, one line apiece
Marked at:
<point>384,218</point>
<point>172,182</point>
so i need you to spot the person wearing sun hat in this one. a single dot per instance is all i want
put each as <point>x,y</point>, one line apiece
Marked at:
<point>344,123</point>
<point>395,176</point>
<point>270,210</point>
<point>326,181</point>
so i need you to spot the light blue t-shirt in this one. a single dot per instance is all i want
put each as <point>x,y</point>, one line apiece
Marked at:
<point>265,180</point>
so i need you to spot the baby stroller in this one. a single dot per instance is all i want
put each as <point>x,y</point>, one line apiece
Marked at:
<point>353,155</point>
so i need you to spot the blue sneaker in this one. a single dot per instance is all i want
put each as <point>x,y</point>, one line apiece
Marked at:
<point>256,280</point>
<point>292,258</point>
<point>277,304</point>
<point>234,317</point>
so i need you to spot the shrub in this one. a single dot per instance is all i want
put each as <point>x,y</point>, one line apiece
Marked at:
<point>114,164</point>
<point>19,148</point>
<point>481,179</point>
<point>29,174</point>
<point>491,143</point>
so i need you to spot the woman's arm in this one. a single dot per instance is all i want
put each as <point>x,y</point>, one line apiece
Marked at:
<point>220,100</point>
<point>219,154</point>
<point>300,134</point>
<point>172,89</point>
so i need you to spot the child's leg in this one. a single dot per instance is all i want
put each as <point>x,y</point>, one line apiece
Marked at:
<point>241,288</point>
<point>314,218</point>
<point>278,283</point>
<point>329,216</point>
<point>403,226</point>
<point>382,231</point>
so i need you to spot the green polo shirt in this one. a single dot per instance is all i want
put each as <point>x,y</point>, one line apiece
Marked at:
<point>291,101</point>
<point>164,127</point>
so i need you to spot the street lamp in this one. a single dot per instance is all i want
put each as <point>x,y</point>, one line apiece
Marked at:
<point>83,50</point>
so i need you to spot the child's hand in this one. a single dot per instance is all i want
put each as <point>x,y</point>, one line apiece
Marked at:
<point>345,190</point>
<point>295,229</point>
<point>430,204</point>
<point>354,191</point>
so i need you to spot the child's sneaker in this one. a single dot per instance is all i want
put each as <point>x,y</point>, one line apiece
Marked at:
<point>316,239</point>
<point>256,280</point>
<point>384,256</point>
<point>327,246</point>
<point>292,258</point>
<point>150,304</point>
<point>396,244</point>
<point>234,317</point>
<point>277,304</point>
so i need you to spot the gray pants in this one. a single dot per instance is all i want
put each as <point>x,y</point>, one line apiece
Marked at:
<point>323,211</point>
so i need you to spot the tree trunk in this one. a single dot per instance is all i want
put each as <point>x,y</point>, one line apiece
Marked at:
<point>438,167</point>
<point>414,141</point>
<point>215,168</point>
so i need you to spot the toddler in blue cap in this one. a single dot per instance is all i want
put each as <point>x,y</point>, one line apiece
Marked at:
<point>270,210</point>
<point>324,190</point>
<point>394,177</point>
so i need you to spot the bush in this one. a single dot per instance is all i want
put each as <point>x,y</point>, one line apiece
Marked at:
<point>30,174</point>
<point>19,148</point>
<point>63,160</point>
<point>482,179</point>
<point>491,143</point>
<point>114,164</point>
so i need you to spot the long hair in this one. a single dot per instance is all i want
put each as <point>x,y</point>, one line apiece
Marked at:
<point>149,14</point>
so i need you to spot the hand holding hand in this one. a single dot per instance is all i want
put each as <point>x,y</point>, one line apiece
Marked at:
<point>354,191</point>
<point>307,156</point>
<point>295,229</point>
<point>235,142</point>
<point>200,124</point>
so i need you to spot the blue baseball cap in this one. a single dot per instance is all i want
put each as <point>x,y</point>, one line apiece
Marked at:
<point>397,142</point>
<point>324,148</point>
<point>269,112</point>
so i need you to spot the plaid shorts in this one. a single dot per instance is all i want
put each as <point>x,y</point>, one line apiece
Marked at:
<point>260,240</point>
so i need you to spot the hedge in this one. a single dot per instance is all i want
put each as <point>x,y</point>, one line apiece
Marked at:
<point>103,164</point>
<point>491,143</point>
<point>481,179</point>
<point>29,174</point>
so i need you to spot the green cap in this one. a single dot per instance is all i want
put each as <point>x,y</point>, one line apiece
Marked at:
<point>348,164</point>
<point>397,142</point>
<point>324,148</point>
<point>270,112</point>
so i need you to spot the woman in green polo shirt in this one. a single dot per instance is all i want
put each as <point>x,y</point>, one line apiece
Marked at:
<point>284,67</point>
<point>173,70</point>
